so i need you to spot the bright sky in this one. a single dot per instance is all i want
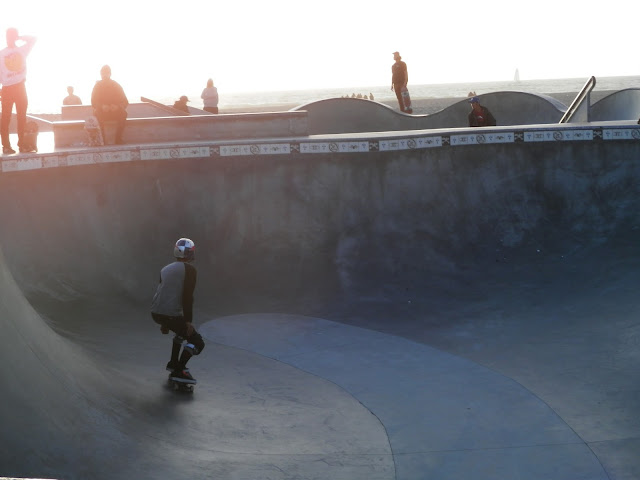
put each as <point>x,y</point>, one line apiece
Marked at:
<point>161,48</point>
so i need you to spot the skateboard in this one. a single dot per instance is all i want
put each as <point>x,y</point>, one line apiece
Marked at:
<point>94,134</point>
<point>406,98</point>
<point>30,139</point>
<point>179,386</point>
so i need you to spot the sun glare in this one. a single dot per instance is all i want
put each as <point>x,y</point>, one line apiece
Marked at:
<point>165,48</point>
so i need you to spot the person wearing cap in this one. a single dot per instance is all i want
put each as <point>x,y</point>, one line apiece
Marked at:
<point>480,116</point>
<point>109,103</point>
<point>399,79</point>
<point>182,104</point>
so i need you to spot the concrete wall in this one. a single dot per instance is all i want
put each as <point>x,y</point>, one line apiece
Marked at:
<point>134,110</point>
<point>344,115</point>
<point>343,211</point>
<point>622,105</point>
<point>191,128</point>
<point>347,115</point>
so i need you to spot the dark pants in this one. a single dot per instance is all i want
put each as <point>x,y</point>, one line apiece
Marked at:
<point>119,116</point>
<point>13,94</point>
<point>178,325</point>
<point>211,109</point>
<point>398,91</point>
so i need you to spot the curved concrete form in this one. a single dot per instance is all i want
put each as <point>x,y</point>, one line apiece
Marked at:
<point>442,304</point>
<point>621,105</point>
<point>348,115</point>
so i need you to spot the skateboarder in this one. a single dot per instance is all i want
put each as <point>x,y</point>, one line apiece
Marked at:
<point>172,309</point>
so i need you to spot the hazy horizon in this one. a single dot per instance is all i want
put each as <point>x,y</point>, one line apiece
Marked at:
<point>164,48</point>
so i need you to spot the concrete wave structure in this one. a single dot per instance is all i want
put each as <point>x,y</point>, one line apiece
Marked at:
<point>348,115</point>
<point>621,105</point>
<point>416,304</point>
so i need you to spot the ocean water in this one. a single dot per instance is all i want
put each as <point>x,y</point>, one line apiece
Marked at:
<point>381,92</point>
<point>384,93</point>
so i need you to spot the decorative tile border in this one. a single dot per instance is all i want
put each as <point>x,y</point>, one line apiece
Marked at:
<point>175,152</point>
<point>256,149</point>
<point>302,147</point>
<point>558,135</point>
<point>621,133</point>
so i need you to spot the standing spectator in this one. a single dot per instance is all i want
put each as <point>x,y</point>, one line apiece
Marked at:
<point>109,103</point>
<point>71,98</point>
<point>399,79</point>
<point>480,116</point>
<point>13,74</point>
<point>210,97</point>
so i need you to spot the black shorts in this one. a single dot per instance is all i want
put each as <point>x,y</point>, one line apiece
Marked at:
<point>177,325</point>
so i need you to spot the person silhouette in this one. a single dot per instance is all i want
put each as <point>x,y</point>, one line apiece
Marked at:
<point>71,98</point>
<point>210,97</point>
<point>109,103</point>
<point>13,74</point>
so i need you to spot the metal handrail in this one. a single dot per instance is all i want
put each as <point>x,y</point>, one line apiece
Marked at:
<point>580,98</point>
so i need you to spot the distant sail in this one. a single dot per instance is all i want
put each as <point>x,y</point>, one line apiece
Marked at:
<point>516,76</point>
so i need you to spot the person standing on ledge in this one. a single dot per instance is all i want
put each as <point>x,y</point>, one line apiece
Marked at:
<point>109,103</point>
<point>210,97</point>
<point>71,98</point>
<point>399,79</point>
<point>480,116</point>
<point>13,75</point>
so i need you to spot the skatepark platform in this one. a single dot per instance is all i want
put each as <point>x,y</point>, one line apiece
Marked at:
<point>450,304</point>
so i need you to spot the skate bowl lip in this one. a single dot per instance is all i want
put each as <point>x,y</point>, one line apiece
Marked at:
<point>618,130</point>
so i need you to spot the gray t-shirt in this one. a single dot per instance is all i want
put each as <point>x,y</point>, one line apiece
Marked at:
<point>174,295</point>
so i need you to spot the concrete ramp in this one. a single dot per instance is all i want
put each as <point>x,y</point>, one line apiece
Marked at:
<point>54,414</point>
<point>84,385</point>
<point>621,105</point>
<point>420,304</point>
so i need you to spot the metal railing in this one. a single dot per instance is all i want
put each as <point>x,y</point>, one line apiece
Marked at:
<point>578,103</point>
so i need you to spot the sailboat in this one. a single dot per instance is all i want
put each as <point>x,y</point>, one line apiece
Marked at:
<point>516,76</point>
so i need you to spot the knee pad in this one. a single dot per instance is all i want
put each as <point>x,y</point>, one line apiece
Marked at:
<point>178,340</point>
<point>195,344</point>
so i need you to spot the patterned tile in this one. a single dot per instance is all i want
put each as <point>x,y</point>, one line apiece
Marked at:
<point>301,147</point>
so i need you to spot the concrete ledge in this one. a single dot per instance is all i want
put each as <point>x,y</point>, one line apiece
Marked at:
<point>191,128</point>
<point>134,110</point>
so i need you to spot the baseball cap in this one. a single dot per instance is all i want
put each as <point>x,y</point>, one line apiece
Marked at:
<point>474,100</point>
<point>184,98</point>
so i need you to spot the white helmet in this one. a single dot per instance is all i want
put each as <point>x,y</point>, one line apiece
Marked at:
<point>185,249</point>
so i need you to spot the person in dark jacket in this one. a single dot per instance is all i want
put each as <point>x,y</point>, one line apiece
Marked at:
<point>172,309</point>
<point>480,116</point>
<point>182,104</point>
<point>109,103</point>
